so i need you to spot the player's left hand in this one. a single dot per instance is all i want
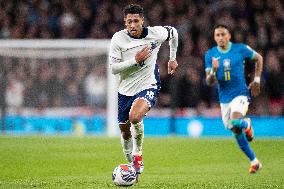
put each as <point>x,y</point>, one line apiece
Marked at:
<point>172,66</point>
<point>254,88</point>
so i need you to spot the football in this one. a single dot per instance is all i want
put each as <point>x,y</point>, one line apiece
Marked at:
<point>124,175</point>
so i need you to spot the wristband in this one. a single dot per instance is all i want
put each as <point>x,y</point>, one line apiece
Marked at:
<point>257,79</point>
<point>212,72</point>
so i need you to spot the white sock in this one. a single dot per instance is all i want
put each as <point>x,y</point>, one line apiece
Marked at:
<point>137,131</point>
<point>127,146</point>
<point>255,161</point>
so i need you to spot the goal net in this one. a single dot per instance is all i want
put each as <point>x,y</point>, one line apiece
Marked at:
<point>58,78</point>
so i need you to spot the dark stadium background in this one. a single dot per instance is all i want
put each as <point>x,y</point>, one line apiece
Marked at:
<point>258,23</point>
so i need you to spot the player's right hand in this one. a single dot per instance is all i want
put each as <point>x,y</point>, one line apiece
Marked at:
<point>254,88</point>
<point>143,54</point>
<point>172,66</point>
<point>215,64</point>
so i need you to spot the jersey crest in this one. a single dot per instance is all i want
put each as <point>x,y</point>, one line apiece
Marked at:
<point>227,64</point>
<point>154,44</point>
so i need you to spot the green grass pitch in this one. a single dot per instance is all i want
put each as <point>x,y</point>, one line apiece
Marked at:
<point>170,162</point>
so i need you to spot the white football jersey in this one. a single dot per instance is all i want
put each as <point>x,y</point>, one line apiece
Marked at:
<point>123,47</point>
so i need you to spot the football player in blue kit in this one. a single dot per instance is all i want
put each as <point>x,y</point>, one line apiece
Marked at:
<point>224,65</point>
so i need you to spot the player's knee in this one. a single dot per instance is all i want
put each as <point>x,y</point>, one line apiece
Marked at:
<point>135,118</point>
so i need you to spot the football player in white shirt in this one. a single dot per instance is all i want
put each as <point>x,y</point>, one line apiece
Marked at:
<point>133,55</point>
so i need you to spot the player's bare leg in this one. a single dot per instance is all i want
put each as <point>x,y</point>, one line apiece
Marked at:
<point>126,141</point>
<point>138,110</point>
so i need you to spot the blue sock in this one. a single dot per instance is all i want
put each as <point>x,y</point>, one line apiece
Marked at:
<point>244,145</point>
<point>239,123</point>
<point>244,124</point>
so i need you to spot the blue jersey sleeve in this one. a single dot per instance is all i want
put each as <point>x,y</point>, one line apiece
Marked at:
<point>247,51</point>
<point>208,60</point>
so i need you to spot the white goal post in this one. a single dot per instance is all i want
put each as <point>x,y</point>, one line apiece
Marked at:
<point>65,48</point>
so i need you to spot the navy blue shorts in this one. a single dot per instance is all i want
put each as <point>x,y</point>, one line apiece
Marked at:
<point>125,102</point>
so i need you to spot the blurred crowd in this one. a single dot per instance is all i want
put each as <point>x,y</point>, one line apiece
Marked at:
<point>258,23</point>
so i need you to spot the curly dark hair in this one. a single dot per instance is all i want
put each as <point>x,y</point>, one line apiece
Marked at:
<point>133,9</point>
